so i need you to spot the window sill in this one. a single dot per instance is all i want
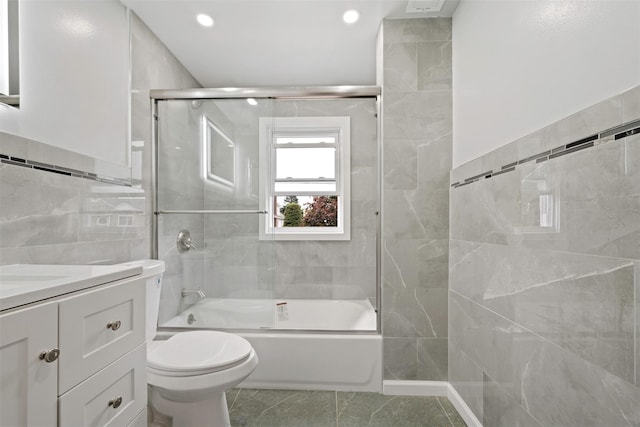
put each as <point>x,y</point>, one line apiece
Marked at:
<point>306,236</point>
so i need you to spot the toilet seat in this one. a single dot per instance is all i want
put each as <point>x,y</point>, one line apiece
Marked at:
<point>191,388</point>
<point>197,353</point>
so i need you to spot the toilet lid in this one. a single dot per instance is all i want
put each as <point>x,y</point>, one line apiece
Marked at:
<point>198,351</point>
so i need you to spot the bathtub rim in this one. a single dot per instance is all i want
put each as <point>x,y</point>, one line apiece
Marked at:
<point>164,332</point>
<point>376,313</point>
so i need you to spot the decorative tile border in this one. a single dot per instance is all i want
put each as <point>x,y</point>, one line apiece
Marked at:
<point>609,135</point>
<point>17,161</point>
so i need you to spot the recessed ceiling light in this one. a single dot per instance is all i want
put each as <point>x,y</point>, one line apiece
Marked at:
<point>205,20</point>
<point>252,101</point>
<point>351,16</point>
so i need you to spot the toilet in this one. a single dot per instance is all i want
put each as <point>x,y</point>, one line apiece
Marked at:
<point>189,373</point>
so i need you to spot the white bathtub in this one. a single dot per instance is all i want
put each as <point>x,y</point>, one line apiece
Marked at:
<point>348,359</point>
<point>297,314</point>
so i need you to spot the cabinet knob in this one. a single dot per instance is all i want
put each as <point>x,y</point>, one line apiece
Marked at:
<point>114,326</point>
<point>51,355</point>
<point>116,402</point>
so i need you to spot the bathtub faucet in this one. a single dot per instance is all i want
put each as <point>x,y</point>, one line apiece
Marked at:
<point>199,292</point>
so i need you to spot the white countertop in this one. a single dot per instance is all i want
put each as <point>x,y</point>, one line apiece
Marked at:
<point>22,284</point>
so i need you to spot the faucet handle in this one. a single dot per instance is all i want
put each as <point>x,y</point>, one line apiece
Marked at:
<point>184,242</point>
<point>191,245</point>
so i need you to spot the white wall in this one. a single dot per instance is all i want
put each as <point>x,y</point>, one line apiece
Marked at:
<point>74,77</point>
<point>521,65</point>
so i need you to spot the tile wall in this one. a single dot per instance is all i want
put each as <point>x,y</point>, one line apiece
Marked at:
<point>53,218</point>
<point>544,275</point>
<point>339,269</point>
<point>415,72</point>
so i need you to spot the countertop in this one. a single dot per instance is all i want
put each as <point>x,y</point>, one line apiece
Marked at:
<point>22,284</point>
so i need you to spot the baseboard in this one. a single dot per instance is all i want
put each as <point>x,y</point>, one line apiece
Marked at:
<point>415,388</point>
<point>432,388</point>
<point>461,406</point>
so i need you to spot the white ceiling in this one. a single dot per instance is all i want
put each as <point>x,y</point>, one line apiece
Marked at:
<point>274,42</point>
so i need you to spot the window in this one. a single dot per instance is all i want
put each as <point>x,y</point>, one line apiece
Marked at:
<point>304,179</point>
<point>219,160</point>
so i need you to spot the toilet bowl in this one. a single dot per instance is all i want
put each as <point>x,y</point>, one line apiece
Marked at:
<point>189,372</point>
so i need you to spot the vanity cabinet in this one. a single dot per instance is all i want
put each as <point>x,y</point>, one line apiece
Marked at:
<point>99,376</point>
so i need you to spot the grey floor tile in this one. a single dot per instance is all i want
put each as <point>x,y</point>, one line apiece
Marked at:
<point>281,408</point>
<point>377,410</point>
<point>454,416</point>
<point>291,408</point>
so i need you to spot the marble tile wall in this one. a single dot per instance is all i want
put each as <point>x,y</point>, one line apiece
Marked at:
<point>154,67</point>
<point>48,218</point>
<point>51,218</point>
<point>340,269</point>
<point>544,264</point>
<point>415,67</point>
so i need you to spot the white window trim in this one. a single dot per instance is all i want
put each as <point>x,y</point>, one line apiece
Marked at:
<point>269,125</point>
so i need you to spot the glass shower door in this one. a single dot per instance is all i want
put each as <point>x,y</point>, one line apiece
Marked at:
<point>219,274</point>
<point>232,175</point>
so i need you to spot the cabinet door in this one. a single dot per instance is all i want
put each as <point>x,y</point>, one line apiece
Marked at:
<point>88,337</point>
<point>28,384</point>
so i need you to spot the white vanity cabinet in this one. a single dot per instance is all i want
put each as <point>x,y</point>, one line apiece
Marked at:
<point>98,378</point>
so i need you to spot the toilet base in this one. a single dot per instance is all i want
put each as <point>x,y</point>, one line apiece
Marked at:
<point>211,412</point>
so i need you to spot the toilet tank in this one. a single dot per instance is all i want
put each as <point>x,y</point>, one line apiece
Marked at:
<point>152,270</point>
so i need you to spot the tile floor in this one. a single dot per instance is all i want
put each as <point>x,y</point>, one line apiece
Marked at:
<point>291,408</point>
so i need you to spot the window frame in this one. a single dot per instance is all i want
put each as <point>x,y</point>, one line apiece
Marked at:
<point>272,127</point>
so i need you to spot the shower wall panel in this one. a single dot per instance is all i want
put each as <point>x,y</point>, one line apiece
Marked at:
<point>240,265</point>
<point>153,66</point>
<point>415,66</point>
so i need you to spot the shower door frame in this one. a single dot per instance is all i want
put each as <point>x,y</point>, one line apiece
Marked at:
<point>278,92</point>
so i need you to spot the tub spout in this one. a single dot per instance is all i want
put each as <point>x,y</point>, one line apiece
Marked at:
<point>199,292</point>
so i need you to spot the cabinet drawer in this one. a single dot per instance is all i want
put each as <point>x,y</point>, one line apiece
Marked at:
<point>124,381</point>
<point>87,343</point>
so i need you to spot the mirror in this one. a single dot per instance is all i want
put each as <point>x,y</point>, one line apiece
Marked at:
<point>9,53</point>
<point>75,96</point>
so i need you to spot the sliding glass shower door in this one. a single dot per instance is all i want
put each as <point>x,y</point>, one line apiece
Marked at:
<point>268,213</point>
<point>209,215</point>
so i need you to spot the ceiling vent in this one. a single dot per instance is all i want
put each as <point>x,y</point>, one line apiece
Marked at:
<point>424,6</point>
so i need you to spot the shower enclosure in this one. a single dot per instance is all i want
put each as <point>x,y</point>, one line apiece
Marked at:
<point>267,215</point>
